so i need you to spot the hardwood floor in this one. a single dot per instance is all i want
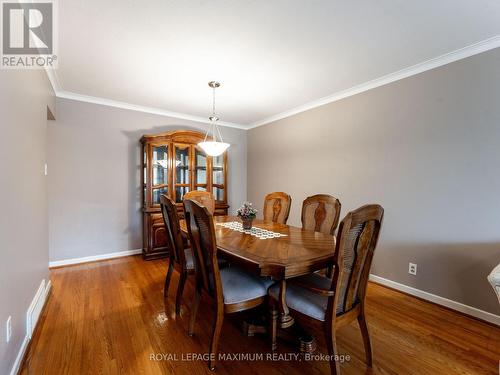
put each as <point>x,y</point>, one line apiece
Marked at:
<point>110,317</point>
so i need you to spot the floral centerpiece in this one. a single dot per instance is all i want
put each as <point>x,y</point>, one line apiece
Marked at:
<point>247,213</point>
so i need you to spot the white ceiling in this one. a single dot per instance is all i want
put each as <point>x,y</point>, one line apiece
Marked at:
<point>270,55</point>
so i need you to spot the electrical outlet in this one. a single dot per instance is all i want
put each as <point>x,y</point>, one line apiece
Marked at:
<point>412,269</point>
<point>8,329</point>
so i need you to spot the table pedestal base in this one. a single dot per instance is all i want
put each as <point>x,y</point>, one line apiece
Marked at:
<point>296,336</point>
<point>293,334</point>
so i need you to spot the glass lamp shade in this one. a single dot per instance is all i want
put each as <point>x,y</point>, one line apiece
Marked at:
<point>214,148</point>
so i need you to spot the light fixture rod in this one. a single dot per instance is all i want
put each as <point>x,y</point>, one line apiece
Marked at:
<point>213,101</point>
<point>213,147</point>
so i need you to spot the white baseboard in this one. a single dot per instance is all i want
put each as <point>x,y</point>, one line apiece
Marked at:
<point>469,310</point>
<point>32,316</point>
<point>20,356</point>
<point>93,258</point>
<point>36,306</point>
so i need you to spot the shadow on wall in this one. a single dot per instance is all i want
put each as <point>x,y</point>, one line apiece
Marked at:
<point>454,271</point>
<point>134,229</point>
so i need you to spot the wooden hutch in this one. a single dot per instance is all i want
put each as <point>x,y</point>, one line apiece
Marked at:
<point>173,164</point>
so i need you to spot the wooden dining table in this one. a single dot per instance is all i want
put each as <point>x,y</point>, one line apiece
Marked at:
<point>299,252</point>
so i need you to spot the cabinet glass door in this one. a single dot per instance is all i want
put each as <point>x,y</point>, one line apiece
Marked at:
<point>182,170</point>
<point>157,193</point>
<point>159,161</point>
<point>218,178</point>
<point>200,169</point>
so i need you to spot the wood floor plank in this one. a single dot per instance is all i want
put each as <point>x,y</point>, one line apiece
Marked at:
<point>110,317</point>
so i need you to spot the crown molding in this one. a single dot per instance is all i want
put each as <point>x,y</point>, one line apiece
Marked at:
<point>447,58</point>
<point>59,93</point>
<point>139,108</point>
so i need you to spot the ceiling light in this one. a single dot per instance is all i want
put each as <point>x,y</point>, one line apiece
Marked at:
<point>213,147</point>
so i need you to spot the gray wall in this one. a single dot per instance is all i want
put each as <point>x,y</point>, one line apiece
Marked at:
<point>428,149</point>
<point>24,96</point>
<point>94,176</point>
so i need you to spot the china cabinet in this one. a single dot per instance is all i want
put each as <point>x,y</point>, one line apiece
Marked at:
<point>173,164</point>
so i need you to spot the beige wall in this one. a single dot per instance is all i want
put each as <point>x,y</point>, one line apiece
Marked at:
<point>94,176</point>
<point>24,96</point>
<point>428,149</point>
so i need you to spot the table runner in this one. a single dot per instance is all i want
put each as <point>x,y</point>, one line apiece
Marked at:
<point>260,233</point>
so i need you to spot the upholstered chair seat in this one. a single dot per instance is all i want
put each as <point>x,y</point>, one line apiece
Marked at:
<point>240,286</point>
<point>302,300</point>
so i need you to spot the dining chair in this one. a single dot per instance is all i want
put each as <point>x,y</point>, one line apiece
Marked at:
<point>181,256</point>
<point>334,303</point>
<point>277,207</point>
<point>231,288</point>
<point>205,198</point>
<point>321,213</point>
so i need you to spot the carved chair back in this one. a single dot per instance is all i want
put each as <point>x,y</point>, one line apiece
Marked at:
<point>277,207</point>
<point>172,226</point>
<point>201,232</point>
<point>321,213</point>
<point>203,197</point>
<point>356,242</point>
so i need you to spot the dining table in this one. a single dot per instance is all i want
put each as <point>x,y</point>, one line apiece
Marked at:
<point>274,250</point>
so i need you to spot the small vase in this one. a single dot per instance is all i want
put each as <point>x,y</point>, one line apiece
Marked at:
<point>247,223</point>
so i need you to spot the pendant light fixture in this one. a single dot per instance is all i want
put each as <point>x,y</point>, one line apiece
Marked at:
<point>213,147</point>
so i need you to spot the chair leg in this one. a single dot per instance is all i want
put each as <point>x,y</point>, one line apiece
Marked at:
<point>194,310</point>
<point>169,276</point>
<point>273,324</point>
<point>366,338</point>
<point>214,345</point>
<point>332,350</point>
<point>180,290</point>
